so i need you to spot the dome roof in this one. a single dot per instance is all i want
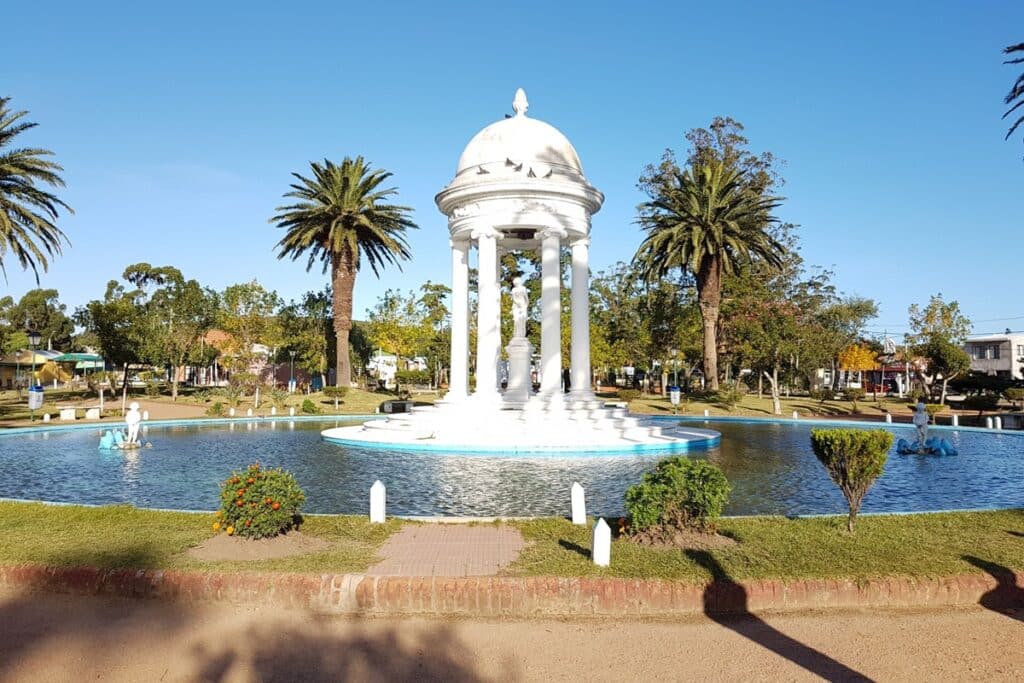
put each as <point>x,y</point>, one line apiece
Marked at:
<point>522,145</point>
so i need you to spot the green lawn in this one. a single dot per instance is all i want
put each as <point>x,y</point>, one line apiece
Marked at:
<point>769,547</point>
<point>776,547</point>
<point>121,536</point>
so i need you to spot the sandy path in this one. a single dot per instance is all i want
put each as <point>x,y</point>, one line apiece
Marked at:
<point>80,638</point>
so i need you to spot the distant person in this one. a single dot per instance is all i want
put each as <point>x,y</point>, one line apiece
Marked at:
<point>566,380</point>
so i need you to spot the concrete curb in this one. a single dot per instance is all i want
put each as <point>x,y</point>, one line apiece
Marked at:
<point>518,596</point>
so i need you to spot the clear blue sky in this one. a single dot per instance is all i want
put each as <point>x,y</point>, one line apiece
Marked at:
<point>178,126</point>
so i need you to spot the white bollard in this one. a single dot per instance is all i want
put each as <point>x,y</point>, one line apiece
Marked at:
<point>579,505</point>
<point>378,495</point>
<point>291,411</point>
<point>273,410</point>
<point>602,544</point>
<point>145,414</point>
<point>46,417</point>
<point>231,412</point>
<point>248,413</point>
<point>988,423</point>
<point>706,412</point>
<point>956,420</point>
<point>888,419</point>
<point>796,415</point>
<point>997,422</point>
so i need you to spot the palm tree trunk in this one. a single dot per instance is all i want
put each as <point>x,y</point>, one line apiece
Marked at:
<point>343,280</point>
<point>709,288</point>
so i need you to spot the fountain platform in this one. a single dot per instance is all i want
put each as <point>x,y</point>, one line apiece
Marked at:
<point>540,426</point>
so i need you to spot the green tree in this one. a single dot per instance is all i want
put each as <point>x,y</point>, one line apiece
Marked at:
<point>397,325</point>
<point>945,359</point>
<point>709,221</point>
<point>305,329</point>
<point>114,322</point>
<point>28,212</point>
<point>42,310</point>
<point>938,319</point>
<point>248,315</point>
<point>341,215</point>
<point>174,319</point>
<point>1015,98</point>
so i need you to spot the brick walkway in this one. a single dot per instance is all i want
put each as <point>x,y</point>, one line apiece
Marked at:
<point>448,550</point>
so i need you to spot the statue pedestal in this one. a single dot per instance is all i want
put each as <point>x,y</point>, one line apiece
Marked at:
<point>519,385</point>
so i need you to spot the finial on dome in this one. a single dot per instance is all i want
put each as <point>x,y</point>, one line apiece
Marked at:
<point>519,104</point>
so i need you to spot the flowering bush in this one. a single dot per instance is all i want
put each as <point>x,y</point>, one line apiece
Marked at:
<point>259,503</point>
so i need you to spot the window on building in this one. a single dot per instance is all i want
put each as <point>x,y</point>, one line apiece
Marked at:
<point>995,352</point>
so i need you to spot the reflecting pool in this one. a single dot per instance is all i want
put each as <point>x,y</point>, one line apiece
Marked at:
<point>770,465</point>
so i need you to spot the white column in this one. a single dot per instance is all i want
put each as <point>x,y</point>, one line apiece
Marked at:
<point>580,351</point>
<point>551,313</point>
<point>459,378</point>
<point>488,333</point>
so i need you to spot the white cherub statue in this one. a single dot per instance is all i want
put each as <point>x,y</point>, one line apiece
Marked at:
<point>920,420</point>
<point>132,418</point>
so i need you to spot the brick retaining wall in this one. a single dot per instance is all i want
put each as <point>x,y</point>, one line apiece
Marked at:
<point>515,596</point>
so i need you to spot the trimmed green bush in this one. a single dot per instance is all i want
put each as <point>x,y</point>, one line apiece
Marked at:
<point>981,402</point>
<point>629,394</point>
<point>1014,394</point>
<point>309,407</point>
<point>216,410</point>
<point>731,395</point>
<point>820,395</point>
<point>413,377</point>
<point>259,503</point>
<point>679,493</point>
<point>934,409</point>
<point>337,393</point>
<point>854,459</point>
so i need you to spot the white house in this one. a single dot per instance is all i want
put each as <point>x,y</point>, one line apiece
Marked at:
<point>999,355</point>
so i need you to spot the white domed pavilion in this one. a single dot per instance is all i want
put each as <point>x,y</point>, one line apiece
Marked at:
<point>519,186</point>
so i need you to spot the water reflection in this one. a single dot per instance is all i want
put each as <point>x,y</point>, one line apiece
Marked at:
<point>771,467</point>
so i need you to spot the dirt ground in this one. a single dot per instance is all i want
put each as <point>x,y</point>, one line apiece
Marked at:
<point>59,637</point>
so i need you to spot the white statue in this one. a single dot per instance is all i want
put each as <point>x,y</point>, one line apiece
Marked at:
<point>921,423</point>
<point>132,418</point>
<point>520,305</point>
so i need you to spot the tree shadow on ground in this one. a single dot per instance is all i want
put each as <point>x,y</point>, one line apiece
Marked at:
<point>1007,597</point>
<point>196,641</point>
<point>1015,533</point>
<point>725,602</point>
<point>313,653</point>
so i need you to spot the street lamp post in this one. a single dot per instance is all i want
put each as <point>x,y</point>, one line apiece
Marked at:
<point>291,371</point>
<point>33,342</point>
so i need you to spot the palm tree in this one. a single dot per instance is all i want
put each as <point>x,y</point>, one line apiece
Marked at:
<point>1016,93</point>
<point>707,220</point>
<point>27,211</point>
<point>342,215</point>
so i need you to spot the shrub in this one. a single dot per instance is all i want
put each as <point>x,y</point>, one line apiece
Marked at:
<point>1014,394</point>
<point>730,395</point>
<point>981,402</point>
<point>413,377</point>
<point>629,394</point>
<point>854,395</point>
<point>152,389</point>
<point>820,395</point>
<point>216,410</point>
<point>232,394</point>
<point>309,407</point>
<point>916,396</point>
<point>854,459</point>
<point>336,393</point>
<point>278,397</point>
<point>934,409</point>
<point>203,395</point>
<point>259,503</point>
<point>679,493</point>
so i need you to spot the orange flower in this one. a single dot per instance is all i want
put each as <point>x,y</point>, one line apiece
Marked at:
<point>276,505</point>
<point>230,530</point>
<point>240,503</point>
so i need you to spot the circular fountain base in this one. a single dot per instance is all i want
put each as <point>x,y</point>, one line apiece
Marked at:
<point>552,426</point>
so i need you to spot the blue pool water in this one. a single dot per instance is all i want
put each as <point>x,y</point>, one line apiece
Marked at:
<point>770,465</point>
